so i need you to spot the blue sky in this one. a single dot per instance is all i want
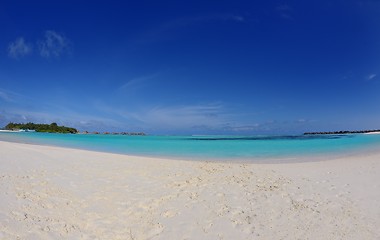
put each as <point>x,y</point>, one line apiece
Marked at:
<point>192,67</point>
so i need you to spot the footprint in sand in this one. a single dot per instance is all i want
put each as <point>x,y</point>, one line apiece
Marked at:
<point>156,230</point>
<point>169,214</point>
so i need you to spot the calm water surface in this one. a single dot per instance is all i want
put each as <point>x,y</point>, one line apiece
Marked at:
<point>252,148</point>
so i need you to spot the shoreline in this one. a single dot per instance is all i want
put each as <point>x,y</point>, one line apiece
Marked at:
<point>49,192</point>
<point>287,159</point>
<point>372,133</point>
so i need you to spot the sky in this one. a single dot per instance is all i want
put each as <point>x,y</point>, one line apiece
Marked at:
<point>192,67</point>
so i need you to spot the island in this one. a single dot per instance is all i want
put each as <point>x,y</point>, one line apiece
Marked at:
<point>54,128</point>
<point>343,132</point>
<point>38,127</point>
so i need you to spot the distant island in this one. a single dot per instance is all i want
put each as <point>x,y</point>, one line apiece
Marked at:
<point>343,132</point>
<point>49,128</point>
<point>54,128</point>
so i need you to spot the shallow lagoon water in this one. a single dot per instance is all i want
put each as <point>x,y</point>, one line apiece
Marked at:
<point>251,148</point>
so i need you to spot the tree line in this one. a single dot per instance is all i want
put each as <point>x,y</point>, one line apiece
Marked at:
<point>50,128</point>
<point>342,132</point>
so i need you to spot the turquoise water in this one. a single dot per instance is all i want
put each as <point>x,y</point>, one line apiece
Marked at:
<point>208,147</point>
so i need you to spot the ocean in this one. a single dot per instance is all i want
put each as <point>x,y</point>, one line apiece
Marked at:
<point>243,148</point>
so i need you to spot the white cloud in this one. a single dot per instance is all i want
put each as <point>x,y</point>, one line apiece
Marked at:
<point>372,76</point>
<point>19,48</point>
<point>54,45</point>
<point>137,83</point>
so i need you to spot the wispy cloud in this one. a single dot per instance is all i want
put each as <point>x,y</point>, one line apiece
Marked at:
<point>4,96</point>
<point>19,48</point>
<point>285,11</point>
<point>185,21</point>
<point>237,18</point>
<point>242,128</point>
<point>206,118</point>
<point>284,7</point>
<point>372,76</point>
<point>137,83</point>
<point>193,118</point>
<point>10,96</point>
<point>53,45</point>
<point>203,118</point>
<point>162,31</point>
<point>183,117</point>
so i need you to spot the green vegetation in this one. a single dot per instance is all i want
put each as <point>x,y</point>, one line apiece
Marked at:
<point>342,132</point>
<point>51,128</point>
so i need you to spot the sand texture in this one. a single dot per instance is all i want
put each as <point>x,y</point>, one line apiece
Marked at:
<point>57,193</point>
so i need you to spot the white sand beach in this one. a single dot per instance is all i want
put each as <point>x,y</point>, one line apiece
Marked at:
<point>58,193</point>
